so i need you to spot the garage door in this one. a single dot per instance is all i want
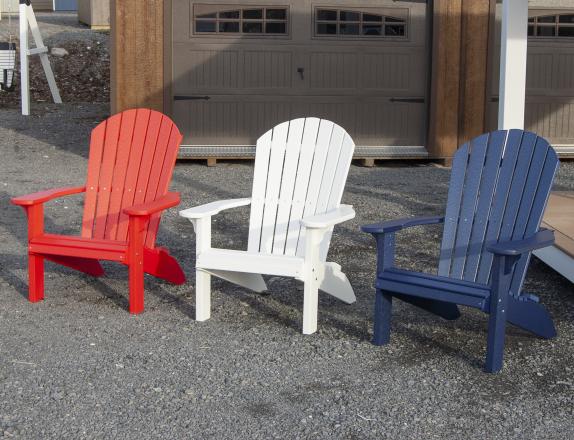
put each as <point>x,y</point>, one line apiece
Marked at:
<point>550,77</point>
<point>241,68</point>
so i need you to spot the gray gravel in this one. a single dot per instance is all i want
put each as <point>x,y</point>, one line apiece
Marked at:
<point>79,366</point>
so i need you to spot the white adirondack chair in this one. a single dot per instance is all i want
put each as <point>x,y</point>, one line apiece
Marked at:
<point>300,171</point>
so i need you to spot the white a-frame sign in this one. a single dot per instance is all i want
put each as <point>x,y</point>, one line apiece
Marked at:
<point>28,20</point>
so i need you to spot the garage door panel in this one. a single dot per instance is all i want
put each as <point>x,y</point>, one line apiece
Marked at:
<point>555,119</point>
<point>334,70</point>
<point>227,120</point>
<point>549,81</point>
<point>268,69</point>
<point>255,82</point>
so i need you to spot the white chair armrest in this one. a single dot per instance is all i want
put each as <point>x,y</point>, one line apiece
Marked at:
<point>213,208</point>
<point>330,218</point>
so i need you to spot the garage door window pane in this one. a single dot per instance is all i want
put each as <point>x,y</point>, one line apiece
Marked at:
<point>373,18</point>
<point>350,16</point>
<point>547,19</point>
<point>212,15</point>
<point>546,31</point>
<point>325,15</point>
<point>326,29</point>
<point>372,30</point>
<point>229,14</point>
<point>229,26</point>
<point>566,31</point>
<point>396,30</point>
<point>252,28</point>
<point>276,14</point>
<point>205,26</point>
<point>349,29</point>
<point>253,14</point>
<point>276,28</point>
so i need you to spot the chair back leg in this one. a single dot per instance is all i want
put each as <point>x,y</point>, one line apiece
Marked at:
<point>382,318</point>
<point>36,278</point>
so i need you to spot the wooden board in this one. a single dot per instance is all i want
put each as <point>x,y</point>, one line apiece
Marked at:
<point>560,217</point>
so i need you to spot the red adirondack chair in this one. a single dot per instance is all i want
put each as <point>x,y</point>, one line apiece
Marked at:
<point>132,157</point>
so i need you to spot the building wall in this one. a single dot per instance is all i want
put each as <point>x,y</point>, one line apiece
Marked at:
<point>95,13</point>
<point>43,5</point>
<point>38,5</point>
<point>463,44</point>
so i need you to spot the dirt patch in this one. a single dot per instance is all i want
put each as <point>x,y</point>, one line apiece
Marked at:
<point>82,76</point>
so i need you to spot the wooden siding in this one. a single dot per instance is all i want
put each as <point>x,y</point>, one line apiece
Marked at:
<point>460,64</point>
<point>558,216</point>
<point>141,64</point>
<point>137,54</point>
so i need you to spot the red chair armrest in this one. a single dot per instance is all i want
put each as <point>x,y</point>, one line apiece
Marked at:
<point>146,209</point>
<point>45,196</point>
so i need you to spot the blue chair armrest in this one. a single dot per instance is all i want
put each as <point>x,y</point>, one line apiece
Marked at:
<point>397,225</point>
<point>541,239</point>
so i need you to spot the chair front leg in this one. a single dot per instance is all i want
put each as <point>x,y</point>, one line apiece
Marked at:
<point>314,272</point>
<point>136,262</point>
<point>382,318</point>
<point>35,214</point>
<point>202,227</point>
<point>501,279</point>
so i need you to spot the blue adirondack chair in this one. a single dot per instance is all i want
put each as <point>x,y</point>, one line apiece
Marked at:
<point>499,188</point>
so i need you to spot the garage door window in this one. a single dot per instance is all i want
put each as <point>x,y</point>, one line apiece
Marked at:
<point>246,20</point>
<point>345,23</point>
<point>561,25</point>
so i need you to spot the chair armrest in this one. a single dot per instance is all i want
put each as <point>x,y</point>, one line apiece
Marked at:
<point>541,239</point>
<point>147,209</point>
<point>397,225</point>
<point>330,218</point>
<point>213,208</point>
<point>45,196</point>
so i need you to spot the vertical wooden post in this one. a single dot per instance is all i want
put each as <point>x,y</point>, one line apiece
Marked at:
<point>445,78</point>
<point>460,69</point>
<point>476,30</point>
<point>137,55</point>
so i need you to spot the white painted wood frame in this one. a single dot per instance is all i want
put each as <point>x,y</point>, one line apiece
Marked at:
<point>28,21</point>
<point>514,54</point>
<point>301,168</point>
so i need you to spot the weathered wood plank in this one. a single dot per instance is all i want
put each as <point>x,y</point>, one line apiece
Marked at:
<point>137,54</point>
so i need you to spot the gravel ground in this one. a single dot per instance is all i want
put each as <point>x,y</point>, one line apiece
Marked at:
<point>79,366</point>
<point>82,76</point>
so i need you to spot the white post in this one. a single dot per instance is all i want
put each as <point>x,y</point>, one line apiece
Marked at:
<point>24,71</point>
<point>28,19</point>
<point>513,64</point>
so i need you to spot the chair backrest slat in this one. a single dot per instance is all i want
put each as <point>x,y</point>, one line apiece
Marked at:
<point>468,211</point>
<point>132,156</point>
<point>119,180</point>
<point>499,189</point>
<point>263,153</point>
<point>310,133</point>
<point>322,147</point>
<point>300,171</point>
<point>286,195</point>
<point>484,205</point>
<point>273,186</point>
